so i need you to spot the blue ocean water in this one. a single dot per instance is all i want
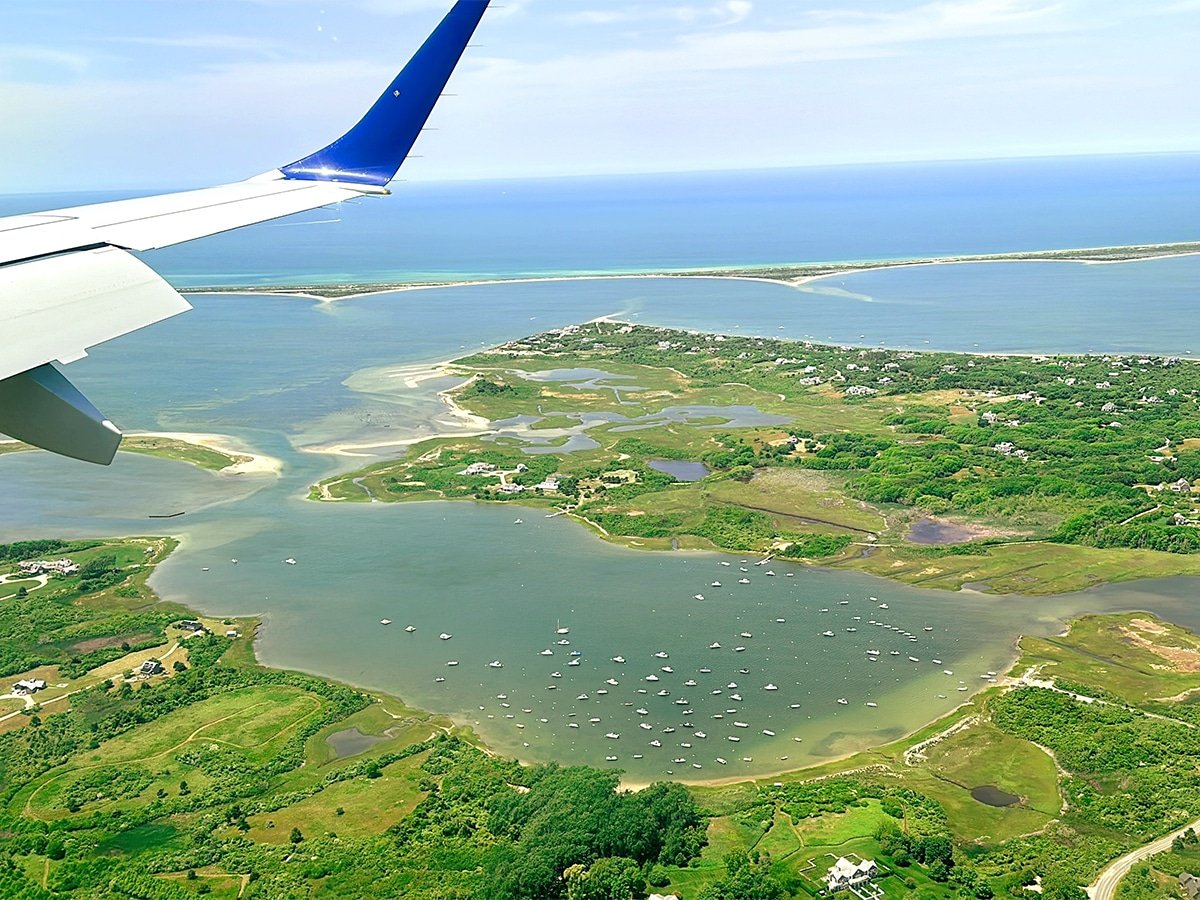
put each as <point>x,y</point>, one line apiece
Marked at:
<point>484,229</point>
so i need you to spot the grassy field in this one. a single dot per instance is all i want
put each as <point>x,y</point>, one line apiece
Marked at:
<point>181,451</point>
<point>1138,658</point>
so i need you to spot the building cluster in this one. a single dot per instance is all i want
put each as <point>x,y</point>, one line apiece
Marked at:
<point>48,567</point>
<point>1190,885</point>
<point>1007,448</point>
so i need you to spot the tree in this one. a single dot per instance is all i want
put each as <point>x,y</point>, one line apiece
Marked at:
<point>611,878</point>
<point>295,837</point>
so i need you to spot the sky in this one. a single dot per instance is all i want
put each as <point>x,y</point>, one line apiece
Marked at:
<point>179,93</point>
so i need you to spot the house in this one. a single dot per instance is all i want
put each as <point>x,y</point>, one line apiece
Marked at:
<point>29,686</point>
<point>844,874</point>
<point>511,488</point>
<point>233,633</point>
<point>1190,885</point>
<point>150,667</point>
<point>49,567</point>
<point>1181,486</point>
<point>550,485</point>
<point>478,468</point>
<point>191,625</point>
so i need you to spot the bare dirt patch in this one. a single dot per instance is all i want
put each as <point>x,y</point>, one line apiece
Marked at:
<point>1185,660</point>
<point>103,643</point>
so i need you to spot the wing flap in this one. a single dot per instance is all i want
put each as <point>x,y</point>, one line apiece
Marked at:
<point>56,307</point>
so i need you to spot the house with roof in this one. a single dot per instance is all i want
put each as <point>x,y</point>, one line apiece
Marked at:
<point>1190,885</point>
<point>844,875</point>
<point>29,686</point>
<point>150,667</point>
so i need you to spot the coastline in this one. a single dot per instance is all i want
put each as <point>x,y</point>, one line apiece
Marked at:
<point>792,275</point>
<point>247,462</point>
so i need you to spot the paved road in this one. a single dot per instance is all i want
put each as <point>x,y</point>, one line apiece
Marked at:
<point>1105,886</point>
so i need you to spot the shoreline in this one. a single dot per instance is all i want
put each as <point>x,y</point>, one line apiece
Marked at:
<point>791,275</point>
<point>249,462</point>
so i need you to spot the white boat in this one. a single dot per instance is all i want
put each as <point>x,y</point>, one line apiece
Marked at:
<point>610,759</point>
<point>656,743</point>
<point>410,628</point>
<point>680,761</point>
<point>518,521</point>
<point>883,606</point>
<point>798,740</point>
<point>723,762</point>
<point>842,701</point>
<point>705,670</point>
<point>612,681</point>
<point>572,724</point>
<point>843,603</point>
<point>928,628</point>
<point>715,645</point>
<point>739,649</point>
<point>662,654</point>
<point>937,662</point>
<point>826,634</point>
<point>732,685</point>
<point>582,697</point>
<point>563,643</point>
<point>385,621</point>
<point>664,693</point>
<point>601,692</point>
<point>618,659</point>
<point>495,664</point>
<point>290,561</point>
<point>562,631</point>
<point>642,711</point>
<point>652,678</point>
<point>781,621</point>
<point>768,732</point>
<point>733,738</point>
<point>735,696</point>
<point>667,669</point>
<point>646,725</point>
<point>439,679</point>
<point>913,659</point>
<point>698,597</point>
<point>701,735</point>
<point>574,662</point>
<point>444,636</point>
<point>637,756</point>
<point>872,704</point>
<point>612,736</point>
<point>681,702</point>
<point>691,682</point>
<point>770,687</point>
<point>724,563</point>
<point>556,674</point>
<point>852,630</point>
<point>546,652</point>
<point>746,634</point>
<point>741,725</point>
<point>453,662</point>
<point>770,574</point>
<point>716,584</point>
<point>947,671</point>
<point>743,581</point>
<point>595,720</point>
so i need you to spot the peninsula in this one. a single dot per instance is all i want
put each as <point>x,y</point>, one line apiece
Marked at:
<point>1035,474</point>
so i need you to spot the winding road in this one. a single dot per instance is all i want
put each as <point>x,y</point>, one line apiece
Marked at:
<point>1105,885</point>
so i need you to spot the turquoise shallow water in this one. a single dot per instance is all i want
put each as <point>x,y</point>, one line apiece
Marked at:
<point>278,373</point>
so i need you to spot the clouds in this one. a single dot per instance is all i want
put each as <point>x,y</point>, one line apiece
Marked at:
<point>132,94</point>
<point>729,12</point>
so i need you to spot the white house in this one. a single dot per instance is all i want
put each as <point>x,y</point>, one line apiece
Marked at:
<point>29,686</point>
<point>844,874</point>
<point>478,468</point>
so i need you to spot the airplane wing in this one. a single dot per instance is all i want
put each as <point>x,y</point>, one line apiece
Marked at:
<point>69,282</point>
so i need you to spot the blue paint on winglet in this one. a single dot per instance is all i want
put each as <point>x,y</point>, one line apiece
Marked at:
<point>373,150</point>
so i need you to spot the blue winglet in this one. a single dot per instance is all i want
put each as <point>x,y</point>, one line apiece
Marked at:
<point>373,150</point>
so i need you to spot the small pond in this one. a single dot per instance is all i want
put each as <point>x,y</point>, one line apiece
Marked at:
<point>939,533</point>
<point>352,742</point>
<point>680,469</point>
<point>993,796</point>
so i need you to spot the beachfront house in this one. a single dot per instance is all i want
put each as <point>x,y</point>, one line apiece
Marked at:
<point>48,567</point>
<point>550,485</point>
<point>844,875</point>
<point>29,686</point>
